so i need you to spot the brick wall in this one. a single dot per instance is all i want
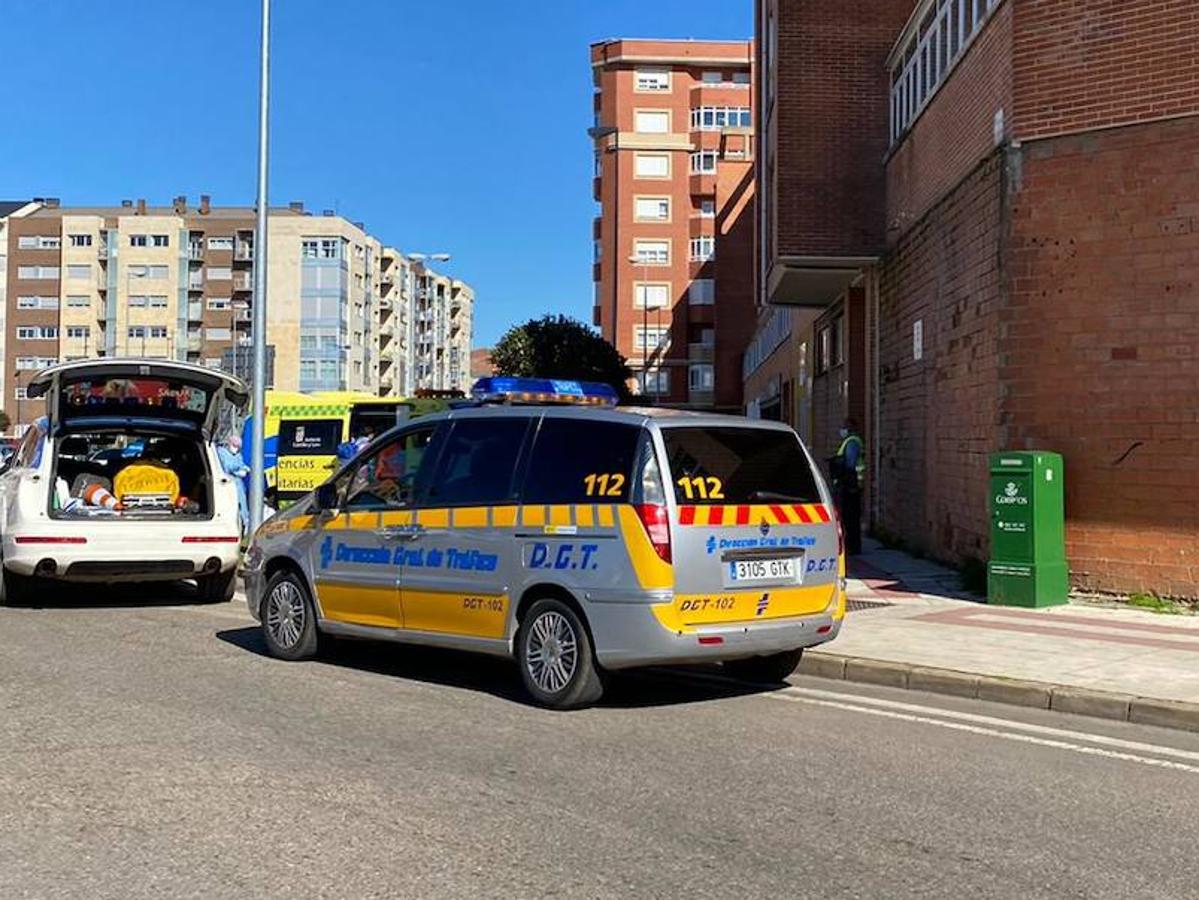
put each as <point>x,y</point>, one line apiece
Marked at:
<point>1100,340</point>
<point>957,128</point>
<point>830,121</point>
<point>1083,64</point>
<point>938,413</point>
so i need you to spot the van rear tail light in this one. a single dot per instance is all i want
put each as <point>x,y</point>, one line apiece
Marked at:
<point>840,536</point>
<point>657,525</point>
<point>211,539</point>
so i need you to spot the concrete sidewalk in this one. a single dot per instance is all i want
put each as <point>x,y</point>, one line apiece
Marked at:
<point>912,625</point>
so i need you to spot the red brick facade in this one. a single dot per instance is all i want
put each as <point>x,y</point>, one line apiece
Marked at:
<point>1084,64</point>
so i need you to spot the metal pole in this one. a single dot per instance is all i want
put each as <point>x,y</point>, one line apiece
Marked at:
<point>257,456</point>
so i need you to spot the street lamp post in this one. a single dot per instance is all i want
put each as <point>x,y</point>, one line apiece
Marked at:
<point>17,390</point>
<point>258,408</point>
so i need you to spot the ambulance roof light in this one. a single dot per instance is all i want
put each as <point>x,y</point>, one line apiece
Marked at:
<point>504,389</point>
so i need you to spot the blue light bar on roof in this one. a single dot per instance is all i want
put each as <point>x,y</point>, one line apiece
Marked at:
<point>503,389</point>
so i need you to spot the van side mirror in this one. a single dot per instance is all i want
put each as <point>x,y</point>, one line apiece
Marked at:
<point>326,497</point>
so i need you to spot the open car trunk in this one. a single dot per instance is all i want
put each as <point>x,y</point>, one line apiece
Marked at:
<point>118,474</point>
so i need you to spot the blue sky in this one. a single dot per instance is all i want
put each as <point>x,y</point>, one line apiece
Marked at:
<point>456,126</point>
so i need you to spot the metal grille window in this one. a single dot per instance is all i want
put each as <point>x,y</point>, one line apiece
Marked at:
<point>81,240</point>
<point>652,80</point>
<point>924,56</point>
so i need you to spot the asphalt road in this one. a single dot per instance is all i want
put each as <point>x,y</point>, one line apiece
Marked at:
<point>148,748</point>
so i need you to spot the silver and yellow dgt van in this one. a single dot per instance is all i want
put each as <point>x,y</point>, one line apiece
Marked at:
<point>577,539</point>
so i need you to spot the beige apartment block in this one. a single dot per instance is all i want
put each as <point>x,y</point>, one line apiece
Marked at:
<point>344,312</point>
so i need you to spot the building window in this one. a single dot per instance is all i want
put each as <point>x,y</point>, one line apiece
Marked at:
<point>703,162</point>
<point>650,338</point>
<point>37,273</point>
<point>139,300</point>
<point>740,78</point>
<point>219,273</point>
<point>652,253</point>
<point>931,46</point>
<point>37,303</point>
<point>138,240</point>
<point>597,251</point>
<point>81,240</point>
<point>220,243</point>
<point>702,292</point>
<point>651,209</point>
<point>716,118</point>
<point>700,377</point>
<point>651,296</point>
<point>79,272</point>
<point>650,81</point>
<point>158,301</point>
<point>137,331</point>
<point>703,248</point>
<point>158,331</point>
<point>39,242</point>
<point>162,240</point>
<point>79,301</point>
<point>310,248</point>
<point>655,382</point>
<point>707,208</point>
<point>218,334</point>
<point>331,248</point>
<point>218,303</point>
<point>651,165</point>
<point>37,333</point>
<point>79,332</point>
<point>712,77</point>
<point>651,121</point>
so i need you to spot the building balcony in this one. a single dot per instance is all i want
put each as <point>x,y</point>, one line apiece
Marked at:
<point>243,282</point>
<point>195,343</point>
<point>701,352</point>
<point>701,396</point>
<point>702,184</point>
<point>195,311</point>
<point>195,252</point>
<point>102,252</point>
<point>243,252</point>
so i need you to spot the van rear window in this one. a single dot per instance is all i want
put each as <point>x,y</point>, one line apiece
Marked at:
<point>738,465</point>
<point>577,461</point>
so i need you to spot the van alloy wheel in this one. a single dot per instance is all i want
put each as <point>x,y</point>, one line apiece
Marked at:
<point>553,654</point>
<point>285,612</point>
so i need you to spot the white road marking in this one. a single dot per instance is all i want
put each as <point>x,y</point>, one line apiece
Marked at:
<point>1005,729</point>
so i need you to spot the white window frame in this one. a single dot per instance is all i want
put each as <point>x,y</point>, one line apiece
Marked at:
<point>139,240</point>
<point>651,209</point>
<point>709,76</point>
<point>643,333</point>
<point>926,55</point>
<point>138,301</point>
<point>220,242</point>
<point>706,380</point>
<point>656,259</point>
<point>72,272</point>
<point>158,332</point>
<point>704,162</point>
<point>80,240</point>
<point>78,332</point>
<point>219,273</point>
<point>648,80</point>
<point>639,158</point>
<point>160,240</point>
<point>718,118</point>
<point>159,301</point>
<point>654,382</point>
<point>697,248</point>
<point>38,273</point>
<point>647,292</point>
<point>707,207</point>
<point>219,303</point>
<point>73,301</point>
<point>664,113</point>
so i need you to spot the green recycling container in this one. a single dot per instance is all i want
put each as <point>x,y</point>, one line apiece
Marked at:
<point>1028,530</point>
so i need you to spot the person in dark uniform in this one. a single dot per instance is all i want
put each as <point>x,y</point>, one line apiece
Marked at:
<point>848,469</point>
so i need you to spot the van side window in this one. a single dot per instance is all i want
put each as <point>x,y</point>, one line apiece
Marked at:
<point>478,464</point>
<point>387,478</point>
<point>576,461</point>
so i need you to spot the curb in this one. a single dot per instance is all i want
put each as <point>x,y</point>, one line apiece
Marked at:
<point>1173,714</point>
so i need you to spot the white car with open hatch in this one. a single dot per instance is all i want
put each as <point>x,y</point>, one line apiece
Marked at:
<point>120,480</point>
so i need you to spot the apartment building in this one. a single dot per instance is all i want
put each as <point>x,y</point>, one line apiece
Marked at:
<point>979,224</point>
<point>426,327</point>
<point>673,259</point>
<point>177,282</point>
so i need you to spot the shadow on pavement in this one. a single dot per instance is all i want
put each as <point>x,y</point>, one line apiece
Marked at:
<point>54,594</point>
<point>499,677</point>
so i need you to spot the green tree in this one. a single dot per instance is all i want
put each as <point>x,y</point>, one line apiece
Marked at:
<point>560,347</point>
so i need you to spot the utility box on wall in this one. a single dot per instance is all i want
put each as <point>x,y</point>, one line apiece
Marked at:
<point>1028,530</point>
